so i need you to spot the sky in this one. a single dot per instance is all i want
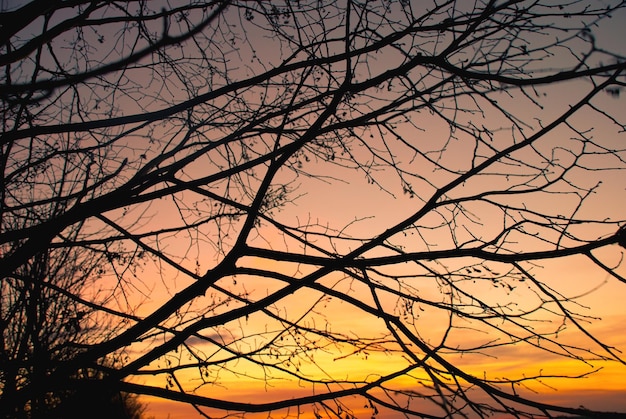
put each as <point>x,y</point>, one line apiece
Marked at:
<point>364,203</point>
<point>343,198</point>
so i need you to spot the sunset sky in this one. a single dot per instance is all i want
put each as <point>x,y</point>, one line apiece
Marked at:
<point>342,198</point>
<point>389,240</point>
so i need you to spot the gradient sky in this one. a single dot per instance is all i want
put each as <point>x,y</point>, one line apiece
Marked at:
<point>349,198</point>
<point>343,198</point>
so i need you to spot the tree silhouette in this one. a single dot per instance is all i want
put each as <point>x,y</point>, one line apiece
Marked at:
<point>352,200</point>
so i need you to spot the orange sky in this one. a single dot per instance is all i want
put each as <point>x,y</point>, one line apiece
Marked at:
<point>601,390</point>
<point>345,202</point>
<point>346,199</point>
<point>363,203</point>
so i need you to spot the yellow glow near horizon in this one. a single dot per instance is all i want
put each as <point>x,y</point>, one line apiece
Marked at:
<point>511,362</point>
